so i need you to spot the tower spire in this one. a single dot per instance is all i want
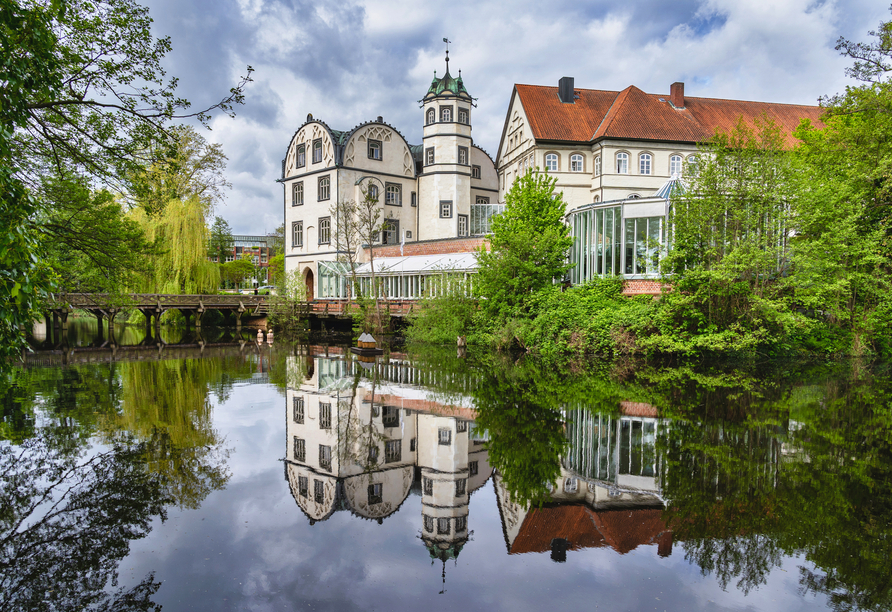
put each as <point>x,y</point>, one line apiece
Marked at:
<point>447,41</point>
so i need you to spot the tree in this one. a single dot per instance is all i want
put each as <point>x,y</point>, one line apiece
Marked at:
<point>221,243</point>
<point>369,224</point>
<point>528,248</point>
<point>185,167</point>
<point>238,271</point>
<point>277,241</point>
<point>82,93</point>
<point>346,238</point>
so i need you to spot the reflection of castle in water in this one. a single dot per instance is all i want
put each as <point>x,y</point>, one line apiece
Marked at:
<point>364,440</point>
<point>608,494</point>
<point>363,445</point>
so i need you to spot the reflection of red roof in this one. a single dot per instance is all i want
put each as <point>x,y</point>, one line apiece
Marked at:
<point>633,114</point>
<point>582,527</point>
<point>426,406</point>
<point>638,409</point>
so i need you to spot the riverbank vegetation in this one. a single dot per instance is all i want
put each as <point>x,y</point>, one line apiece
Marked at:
<point>775,249</point>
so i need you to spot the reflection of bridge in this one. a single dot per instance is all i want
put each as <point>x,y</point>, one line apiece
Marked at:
<point>143,352</point>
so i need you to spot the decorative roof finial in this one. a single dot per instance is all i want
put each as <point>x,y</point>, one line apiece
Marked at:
<point>447,41</point>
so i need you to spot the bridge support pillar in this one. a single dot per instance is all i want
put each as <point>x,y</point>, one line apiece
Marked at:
<point>112,313</point>
<point>238,319</point>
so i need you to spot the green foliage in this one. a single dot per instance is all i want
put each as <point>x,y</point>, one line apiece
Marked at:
<point>180,233</point>
<point>528,248</point>
<point>220,243</point>
<point>286,308</point>
<point>446,312</point>
<point>277,270</point>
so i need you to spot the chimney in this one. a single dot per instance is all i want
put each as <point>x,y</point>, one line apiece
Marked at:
<point>676,95</point>
<point>565,90</point>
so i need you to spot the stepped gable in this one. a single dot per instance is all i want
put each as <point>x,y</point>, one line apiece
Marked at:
<point>636,115</point>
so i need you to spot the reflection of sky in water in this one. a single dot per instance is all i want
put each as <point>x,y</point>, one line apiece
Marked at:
<point>249,547</point>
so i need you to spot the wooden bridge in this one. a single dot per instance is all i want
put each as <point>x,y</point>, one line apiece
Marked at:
<point>106,306</point>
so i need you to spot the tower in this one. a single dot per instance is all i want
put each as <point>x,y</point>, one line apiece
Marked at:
<point>445,182</point>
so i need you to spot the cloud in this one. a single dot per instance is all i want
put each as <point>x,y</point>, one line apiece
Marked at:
<point>347,62</point>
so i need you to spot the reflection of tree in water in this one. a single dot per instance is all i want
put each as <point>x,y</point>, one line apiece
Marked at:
<point>166,406</point>
<point>67,520</point>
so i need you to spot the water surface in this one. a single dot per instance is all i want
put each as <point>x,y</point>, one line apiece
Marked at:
<point>238,476</point>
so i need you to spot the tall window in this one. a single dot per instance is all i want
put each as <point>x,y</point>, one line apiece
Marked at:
<point>462,225</point>
<point>325,416</point>
<point>373,192</point>
<point>428,485</point>
<point>429,156</point>
<point>324,192</point>
<point>473,468</point>
<point>475,172</point>
<point>301,156</point>
<point>622,163</point>
<point>428,523</point>
<point>461,486</point>
<point>375,149</point>
<point>551,162</point>
<point>693,163</point>
<point>298,405</point>
<point>325,457</point>
<point>463,156</point>
<point>297,193</point>
<point>443,526</point>
<point>445,209</point>
<point>576,163</point>
<point>391,232</point>
<point>414,199</point>
<point>444,436</point>
<point>391,416</point>
<point>597,165</point>
<point>325,230</point>
<point>463,116</point>
<point>675,165</point>
<point>644,163</point>
<point>303,486</point>
<point>318,491</point>
<point>393,194</point>
<point>445,114</point>
<point>300,449</point>
<point>297,234</point>
<point>461,524</point>
<point>375,493</point>
<point>393,451</point>
<point>644,242</point>
<point>431,116</point>
<point>317,150</point>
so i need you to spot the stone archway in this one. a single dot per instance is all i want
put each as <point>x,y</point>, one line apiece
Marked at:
<point>308,279</point>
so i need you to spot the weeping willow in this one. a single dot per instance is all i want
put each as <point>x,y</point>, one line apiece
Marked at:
<point>181,235</point>
<point>166,406</point>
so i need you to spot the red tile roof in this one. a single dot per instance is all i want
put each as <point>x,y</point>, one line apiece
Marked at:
<point>633,114</point>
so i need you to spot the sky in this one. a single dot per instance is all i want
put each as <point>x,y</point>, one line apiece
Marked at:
<point>346,62</point>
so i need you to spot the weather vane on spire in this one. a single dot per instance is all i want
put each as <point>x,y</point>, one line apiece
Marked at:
<point>447,41</point>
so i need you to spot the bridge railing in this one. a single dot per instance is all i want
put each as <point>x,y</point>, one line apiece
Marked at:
<point>162,300</point>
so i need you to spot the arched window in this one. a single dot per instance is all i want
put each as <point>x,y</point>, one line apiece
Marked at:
<point>633,196</point>
<point>693,164</point>
<point>431,116</point>
<point>675,165</point>
<point>576,163</point>
<point>597,165</point>
<point>446,114</point>
<point>551,162</point>
<point>317,151</point>
<point>597,199</point>
<point>373,192</point>
<point>622,163</point>
<point>644,163</point>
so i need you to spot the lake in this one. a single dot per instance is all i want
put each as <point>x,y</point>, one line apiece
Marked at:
<point>223,474</point>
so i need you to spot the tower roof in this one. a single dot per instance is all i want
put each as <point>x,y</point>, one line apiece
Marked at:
<point>447,85</point>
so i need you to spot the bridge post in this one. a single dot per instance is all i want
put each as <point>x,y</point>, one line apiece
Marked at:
<point>199,312</point>
<point>63,315</point>
<point>112,313</point>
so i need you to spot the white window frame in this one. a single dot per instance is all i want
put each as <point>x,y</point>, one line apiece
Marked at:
<point>622,163</point>
<point>393,194</point>
<point>463,113</point>
<point>676,163</point>
<point>431,116</point>
<point>429,157</point>
<point>375,146</point>
<point>597,165</point>
<point>577,163</point>
<point>645,164</point>
<point>445,209</point>
<point>552,162</point>
<point>445,114</point>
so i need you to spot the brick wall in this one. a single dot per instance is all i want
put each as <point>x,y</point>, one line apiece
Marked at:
<point>642,286</point>
<point>428,247</point>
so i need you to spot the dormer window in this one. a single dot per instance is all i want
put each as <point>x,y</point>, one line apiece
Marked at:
<point>375,149</point>
<point>445,114</point>
<point>463,116</point>
<point>431,116</point>
<point>317,150</point>
<point>301,156</point>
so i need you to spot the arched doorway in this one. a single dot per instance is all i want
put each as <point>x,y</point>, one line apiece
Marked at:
<point>308,279</point>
